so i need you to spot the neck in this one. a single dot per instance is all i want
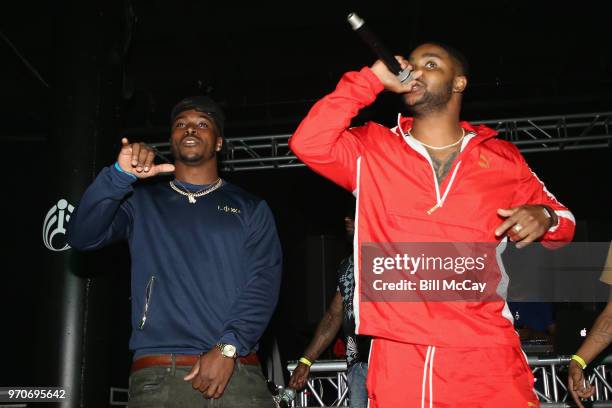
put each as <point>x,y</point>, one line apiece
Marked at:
<point>437,128</point>
<point>205,173</point>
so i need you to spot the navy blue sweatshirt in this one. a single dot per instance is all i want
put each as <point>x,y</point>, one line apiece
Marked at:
<point>202,273</point>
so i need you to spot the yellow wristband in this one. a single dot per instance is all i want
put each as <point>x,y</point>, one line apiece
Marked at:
<point>579,360</point>
<point>305,361</point>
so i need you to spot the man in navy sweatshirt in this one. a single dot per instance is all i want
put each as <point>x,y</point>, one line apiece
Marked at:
<point>206,266</point>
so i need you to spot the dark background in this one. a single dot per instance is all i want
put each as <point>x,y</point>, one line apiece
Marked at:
<point>266,63</point>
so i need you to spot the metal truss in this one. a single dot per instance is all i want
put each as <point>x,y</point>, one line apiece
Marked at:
<point>322,373</point>
<point>549,384</point>
<point>535,134</point>
<point>551,388</point>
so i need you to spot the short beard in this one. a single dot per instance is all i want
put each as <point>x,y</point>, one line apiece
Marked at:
<point>432,102</point>
<point>191,160</point>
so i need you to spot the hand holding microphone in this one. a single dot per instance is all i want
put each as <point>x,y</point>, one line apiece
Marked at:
<point>394,72</point>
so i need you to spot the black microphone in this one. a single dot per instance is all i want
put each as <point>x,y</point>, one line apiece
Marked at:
<point>359,26</point>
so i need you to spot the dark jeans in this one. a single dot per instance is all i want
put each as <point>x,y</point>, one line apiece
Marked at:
<point>157,387</point>
<point>356,378</point>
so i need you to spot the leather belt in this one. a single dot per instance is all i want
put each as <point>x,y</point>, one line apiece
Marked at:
<point>181,360</point>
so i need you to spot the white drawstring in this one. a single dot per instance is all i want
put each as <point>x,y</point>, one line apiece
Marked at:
<point>433,351</point>
<point>400,132</point>
<point>425,376</point>
<point>439,199</point>
<point>429,357</point>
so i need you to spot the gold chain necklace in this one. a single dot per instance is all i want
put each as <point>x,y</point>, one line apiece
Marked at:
<point>192,196</point>
<point>439,147</point>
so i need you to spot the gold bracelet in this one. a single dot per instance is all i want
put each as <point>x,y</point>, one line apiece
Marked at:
<point>579,360</point>
<point>305,361</point>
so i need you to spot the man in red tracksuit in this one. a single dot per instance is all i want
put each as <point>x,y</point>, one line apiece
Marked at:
<point>432,179</point>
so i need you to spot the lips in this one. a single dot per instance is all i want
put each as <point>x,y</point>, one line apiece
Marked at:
<point>417,87</point>
<point>190,141</point>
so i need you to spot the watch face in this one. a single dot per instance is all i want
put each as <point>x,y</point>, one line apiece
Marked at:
<point>229,350</point>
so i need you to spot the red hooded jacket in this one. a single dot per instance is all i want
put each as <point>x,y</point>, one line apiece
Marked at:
<point>399,200</point>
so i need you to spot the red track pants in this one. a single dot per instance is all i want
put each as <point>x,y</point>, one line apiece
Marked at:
<point>416,376</point>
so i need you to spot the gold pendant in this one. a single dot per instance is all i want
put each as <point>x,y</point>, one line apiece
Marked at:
<point>191,198</point>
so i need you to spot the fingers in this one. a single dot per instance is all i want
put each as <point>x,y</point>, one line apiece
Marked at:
<point>194,371</point>
<point>510,221</point>
<point>403,62</point>
<point>145,158</point>
<point>210,388</point>
<point>576,399</point>
<point>577,386</point>
<point>142,158</point>
<point>523,225</point>
<point>215,391</point>
<point>135,153</point>
<point>297,381</point>
<point>389,79</point>
<point>571,385</point>
<point>523,232</point>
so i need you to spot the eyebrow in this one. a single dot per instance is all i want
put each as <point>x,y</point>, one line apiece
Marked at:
<point>430,55</point>
<point>201,115</point>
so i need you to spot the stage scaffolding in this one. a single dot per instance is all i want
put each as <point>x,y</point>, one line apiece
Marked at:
<point>327,386</point>
<point>530,134</point>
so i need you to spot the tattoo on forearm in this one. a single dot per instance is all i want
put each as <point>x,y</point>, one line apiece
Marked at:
<point>602,330</point>
<point>324,335</point>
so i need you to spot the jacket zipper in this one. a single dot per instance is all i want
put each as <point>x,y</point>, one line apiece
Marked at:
<point>439,200</point>
<point>148,297</point>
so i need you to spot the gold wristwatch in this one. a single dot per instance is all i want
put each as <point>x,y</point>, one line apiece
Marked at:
<point>228,350</point>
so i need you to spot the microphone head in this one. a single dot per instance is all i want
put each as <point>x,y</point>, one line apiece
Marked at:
<point>355,21</point>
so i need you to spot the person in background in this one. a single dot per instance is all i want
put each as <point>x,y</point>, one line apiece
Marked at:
<point>597,340</point>
<point>340,314</point>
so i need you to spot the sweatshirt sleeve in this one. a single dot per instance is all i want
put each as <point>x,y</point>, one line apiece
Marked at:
<point>323,141</point>
<point>531,190</point>
<point>251,313</point>
<point>103,215</point>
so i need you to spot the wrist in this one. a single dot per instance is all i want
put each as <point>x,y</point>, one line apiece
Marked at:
<point>576,359</point>
<point>228,350</point>
<point>306,361</point>
<point>550,215</point>
<point>127,173</point>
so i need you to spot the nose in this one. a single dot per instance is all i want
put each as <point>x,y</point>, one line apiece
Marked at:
<point>417,73</point>
<point>190,130</point>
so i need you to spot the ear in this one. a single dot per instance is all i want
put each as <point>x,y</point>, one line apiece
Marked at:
<point>459,84</point>
<point>219,144</point>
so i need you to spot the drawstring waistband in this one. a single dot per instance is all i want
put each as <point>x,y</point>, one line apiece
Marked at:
<point>429,359</point>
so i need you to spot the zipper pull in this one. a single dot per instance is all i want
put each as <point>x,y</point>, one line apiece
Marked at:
<point>434,208</point>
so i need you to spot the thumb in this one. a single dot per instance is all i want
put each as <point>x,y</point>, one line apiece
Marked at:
<point>506,212</point>
<point>125,147</point>
<point>163,168</point>
<point>194,371</point>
